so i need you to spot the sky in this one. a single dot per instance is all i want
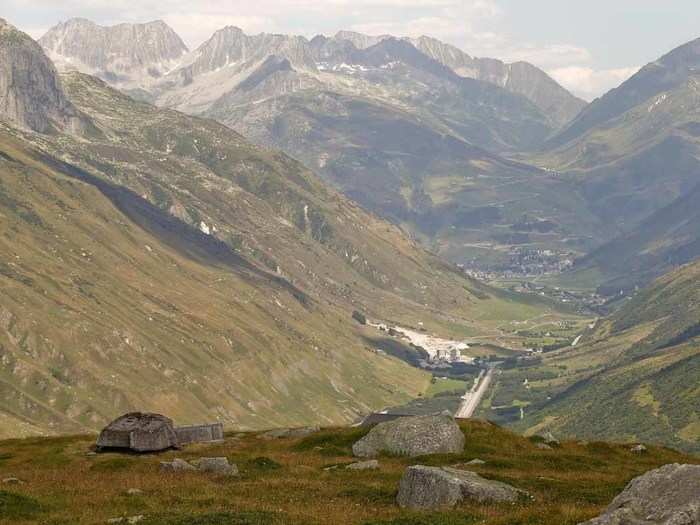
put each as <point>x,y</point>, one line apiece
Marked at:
<point>588,46</point>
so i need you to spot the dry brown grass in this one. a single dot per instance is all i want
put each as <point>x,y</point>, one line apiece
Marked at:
<point>64,486</point>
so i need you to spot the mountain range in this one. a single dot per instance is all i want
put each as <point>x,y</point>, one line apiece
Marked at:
<point>480,160</point>
<point>160,261</point>
<point>412,129</point>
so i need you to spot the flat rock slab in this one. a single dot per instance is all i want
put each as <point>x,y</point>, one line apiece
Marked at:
<point>669,495</point>
<point>176,465</point>
<point>424,487</point>
<point>371,464</point>
<point>412,436</point>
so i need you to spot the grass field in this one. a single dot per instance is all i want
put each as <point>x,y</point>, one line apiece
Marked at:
<point>285,482</point>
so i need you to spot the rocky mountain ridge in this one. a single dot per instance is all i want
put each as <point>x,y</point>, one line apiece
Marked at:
<point>129,56</point>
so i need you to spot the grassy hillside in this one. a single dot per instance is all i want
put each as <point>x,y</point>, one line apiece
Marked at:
<point>468,204</point>
<point>110,304</point>
<point>285,482</point>
<point>634,156</point>
<point>632,377</point>
<point>664,241</point>
<point>162,262</point>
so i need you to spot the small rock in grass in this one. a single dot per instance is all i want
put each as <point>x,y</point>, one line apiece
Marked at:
<point>372,464</point>
<point>638,449</point>
<point>12,481</point>
<point>218,465</point>
<point>544,446</point>
<point>135,519</point>
<point>90,454</point>
<point>134,492</point>
<point>549,439</point>
<point>176,465</point>
<point>476,461</point>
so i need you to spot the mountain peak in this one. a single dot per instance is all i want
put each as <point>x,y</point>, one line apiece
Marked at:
<point>31,95</point>
<point>668,72</point>
<point>360,40</point>
<point>231,46</point>
<point>128,55</point>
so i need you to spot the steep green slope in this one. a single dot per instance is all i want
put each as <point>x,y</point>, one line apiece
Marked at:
<point>664,241</point>
<point>635,156</point>
<point>460,199</point>
<point>110,304</point>
<point>633,377</point>
<point>664,74</point>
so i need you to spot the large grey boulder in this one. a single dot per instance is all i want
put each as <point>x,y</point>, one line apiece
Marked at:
<point>424,487</point>
<point>412,436</point>
<point>669,495</point>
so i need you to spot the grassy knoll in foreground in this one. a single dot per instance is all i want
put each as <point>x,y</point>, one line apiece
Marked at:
<point>284,481</point>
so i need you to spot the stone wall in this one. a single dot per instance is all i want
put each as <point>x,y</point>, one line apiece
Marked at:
<point>200,433</point>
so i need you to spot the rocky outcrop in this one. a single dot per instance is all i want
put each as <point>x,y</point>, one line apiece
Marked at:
<point>31,95</point>
<point>669,495</point>
<point>128,55</point>
<point>412,436</point>
<point>424,487</point>
<point>548,439</point>
<point>216,465</point>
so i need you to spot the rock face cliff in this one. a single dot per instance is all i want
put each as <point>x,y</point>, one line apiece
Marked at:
<point>30,90</point>
<point>127,55</point>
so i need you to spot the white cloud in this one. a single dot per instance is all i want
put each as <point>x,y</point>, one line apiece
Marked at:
<point>589,83</point>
